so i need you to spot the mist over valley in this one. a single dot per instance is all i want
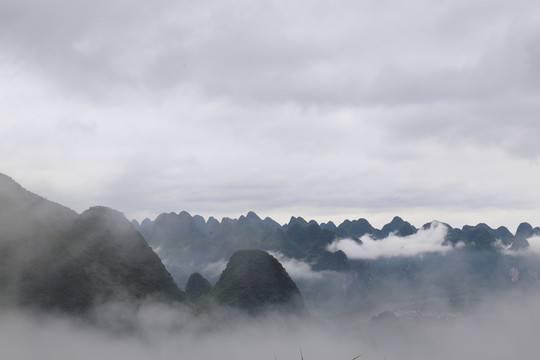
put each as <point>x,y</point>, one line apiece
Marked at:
<point>305,180</point>
<point>79,285</point>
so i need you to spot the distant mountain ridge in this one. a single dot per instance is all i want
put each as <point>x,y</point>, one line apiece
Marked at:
<point>188,238</point>
<point>55,259</point>
<point>348,228</point>
<point>477,264</point>
<point>184,241</point>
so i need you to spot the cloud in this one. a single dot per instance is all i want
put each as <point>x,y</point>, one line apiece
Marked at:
<point>532,249</point>
<point>419,53</point>
<point>298,269</point>
<point>424,241</point>
<point>147,108</point>
<point>534,245</point>
<point>214,270</point>
<point>500,329</point>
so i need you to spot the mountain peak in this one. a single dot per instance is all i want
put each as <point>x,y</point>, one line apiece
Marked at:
<point>297,221</point>
<point>252,216</point>
<point>392,226</point>
<point>185,215</point>
<point>396,220</point>
<point>64,261</point>
<point>197,287</point>
<point>103,211</point>
<point>523,232</point>
<point>255,281</point>
<point>107,217</point>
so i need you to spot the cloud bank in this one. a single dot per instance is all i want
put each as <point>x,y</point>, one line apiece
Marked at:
<point>214,270</point>
<point>500,329</point>
<point>532,249</point>
<point>428,240</point>
<point>275,107</point>
<point>298,269</point>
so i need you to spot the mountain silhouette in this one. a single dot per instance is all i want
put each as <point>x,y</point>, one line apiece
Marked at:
<point>197,287</point>
<point>53,258</point>
<point>256,282</point>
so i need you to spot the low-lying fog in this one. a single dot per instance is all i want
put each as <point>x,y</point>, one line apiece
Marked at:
<point>497,329</point>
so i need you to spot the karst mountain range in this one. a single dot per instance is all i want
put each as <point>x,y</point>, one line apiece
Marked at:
<point>57,259</point>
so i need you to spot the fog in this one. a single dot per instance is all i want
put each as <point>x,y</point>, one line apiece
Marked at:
<point>298,269</point>
<point>423,241</point>
<point>498,329</point>
<point>534,245</point>
<point>213,270</point>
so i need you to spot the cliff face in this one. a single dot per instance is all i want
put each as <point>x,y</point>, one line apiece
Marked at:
<point>255,281</point>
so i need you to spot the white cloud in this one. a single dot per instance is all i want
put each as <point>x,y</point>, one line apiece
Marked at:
<point>505,329</point>
<point>424,241</point>
<point>533,248</point>
<point>297,269</point>
<point>148,107</point>
<point>214,270</point>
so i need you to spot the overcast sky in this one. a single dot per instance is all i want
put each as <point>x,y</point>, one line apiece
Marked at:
<point>326,110</point>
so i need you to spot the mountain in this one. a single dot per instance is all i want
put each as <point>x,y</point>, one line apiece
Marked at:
<point>187,243</point>
<point>53,258</point>
<point>190,244</point>
<point>56,259</point>
<point>523,232</point>
<point>256,282</point>
<point>173,233</point>
<point>355,228</point>
<point>397,226</point>
<point>197,287</point>
<point>478,263</point>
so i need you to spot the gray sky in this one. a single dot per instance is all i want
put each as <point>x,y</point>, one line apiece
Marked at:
<point>326,110</point>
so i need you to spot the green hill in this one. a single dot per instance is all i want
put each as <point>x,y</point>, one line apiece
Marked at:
<point>255,281</point>
<point>53,258</point>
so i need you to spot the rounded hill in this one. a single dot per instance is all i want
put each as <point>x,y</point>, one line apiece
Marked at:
<point>256,282</point>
